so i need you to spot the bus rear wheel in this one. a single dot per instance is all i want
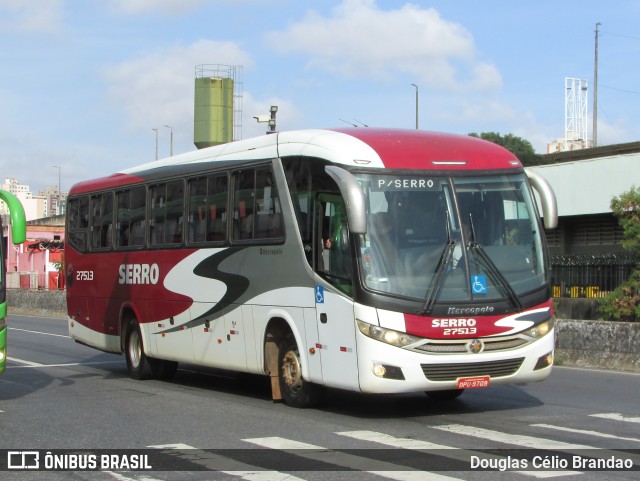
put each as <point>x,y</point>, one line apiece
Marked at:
<point>138,363</point>
<point>295,391</point>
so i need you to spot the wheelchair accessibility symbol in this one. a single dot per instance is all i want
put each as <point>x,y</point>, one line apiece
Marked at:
<point>319,295</point>
<point>479,284</point>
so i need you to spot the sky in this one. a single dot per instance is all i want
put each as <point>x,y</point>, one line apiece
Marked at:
<point>83,83</point>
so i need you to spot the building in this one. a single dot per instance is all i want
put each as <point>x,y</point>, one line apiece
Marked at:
<point>37,262</point>
<point>586,249</point>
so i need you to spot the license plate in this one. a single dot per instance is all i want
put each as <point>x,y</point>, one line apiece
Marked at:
<point>473,382</point>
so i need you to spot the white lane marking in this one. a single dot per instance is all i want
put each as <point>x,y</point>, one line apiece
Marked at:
<point>617,417</point>
<point>457,453</point>
<point>584,431</point>
<point>350,461</point>
<point>38,332</point>
<point>37,364</point>
<point>388,440</point>
<point>121,477</point>
<point>517,439</point>
<point>214,461</point>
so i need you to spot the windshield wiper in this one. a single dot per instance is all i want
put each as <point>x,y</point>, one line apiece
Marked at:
<point>494,273</point>
<point>441,270</point>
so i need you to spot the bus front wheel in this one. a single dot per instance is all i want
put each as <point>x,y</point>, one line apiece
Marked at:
<point>296,392</point>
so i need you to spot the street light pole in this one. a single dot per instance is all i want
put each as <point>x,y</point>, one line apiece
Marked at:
<point>156,131</point>
<point>595,90</point>
<point>416,105</point>
<point>171,140</point>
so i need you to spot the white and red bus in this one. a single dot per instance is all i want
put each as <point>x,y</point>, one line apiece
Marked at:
<point>379,261</point>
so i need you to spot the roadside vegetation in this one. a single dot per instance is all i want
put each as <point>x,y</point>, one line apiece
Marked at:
<point>623,303</point>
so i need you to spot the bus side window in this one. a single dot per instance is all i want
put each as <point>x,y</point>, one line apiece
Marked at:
<point>79,222</point>
<point>208,209</point>
<point>217,208</point>
<point>197,210</point>
<point>244,205</point>
<point>137,216</point>
<point>257,213</point>
<point>130,217</point>
<point>122,218</point>
<point>101,220</point>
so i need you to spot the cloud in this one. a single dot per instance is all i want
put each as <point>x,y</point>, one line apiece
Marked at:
<point>158,88</point>
<point>131,7</point>
<point>360,39</point>
<point>31,16</point>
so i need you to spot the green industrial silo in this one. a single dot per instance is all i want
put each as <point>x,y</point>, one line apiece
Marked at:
<point>213,111</point>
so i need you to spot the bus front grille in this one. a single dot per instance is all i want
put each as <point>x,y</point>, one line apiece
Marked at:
<point>453,371</point>
<point>459,346</point>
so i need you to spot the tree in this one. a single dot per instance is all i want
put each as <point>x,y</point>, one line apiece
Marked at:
<point>518,146</point>
<point>623,304</point>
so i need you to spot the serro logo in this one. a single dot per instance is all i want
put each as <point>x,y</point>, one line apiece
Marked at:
<point>139,274</point>
<point>453,322</point>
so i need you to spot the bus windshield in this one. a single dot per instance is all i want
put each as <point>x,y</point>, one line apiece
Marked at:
<point>451,239</point>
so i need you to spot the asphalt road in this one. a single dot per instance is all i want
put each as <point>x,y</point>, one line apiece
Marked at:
<point>214,425</point>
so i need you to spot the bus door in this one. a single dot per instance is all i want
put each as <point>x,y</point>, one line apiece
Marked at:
<point>334,306</point>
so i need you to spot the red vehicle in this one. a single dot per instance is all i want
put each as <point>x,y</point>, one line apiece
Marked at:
<point>380,261</point>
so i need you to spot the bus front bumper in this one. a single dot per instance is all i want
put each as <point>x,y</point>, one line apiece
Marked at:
<point>387,369</point>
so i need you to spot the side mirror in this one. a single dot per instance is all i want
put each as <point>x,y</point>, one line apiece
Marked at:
<point>547,199</point>
<point>353,198</point>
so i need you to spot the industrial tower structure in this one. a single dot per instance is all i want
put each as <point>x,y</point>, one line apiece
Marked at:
<point>576,135</point>
<point>217,105</point>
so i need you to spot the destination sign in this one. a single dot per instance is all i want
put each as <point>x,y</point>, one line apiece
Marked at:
<point>387,183</point>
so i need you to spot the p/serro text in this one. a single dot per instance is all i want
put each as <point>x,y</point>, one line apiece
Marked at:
<point>139,274</point>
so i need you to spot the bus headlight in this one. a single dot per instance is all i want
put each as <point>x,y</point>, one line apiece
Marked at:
<point>540,330</point>
<point>388,336</point>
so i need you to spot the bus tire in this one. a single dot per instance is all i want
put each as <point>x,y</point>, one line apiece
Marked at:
<point>296,392</point>
<point>138,364</point>
<point>446,395</point>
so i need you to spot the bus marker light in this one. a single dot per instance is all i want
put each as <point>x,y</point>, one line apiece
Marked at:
<point>163,334</point>
<point>319,346</point>
<point>312,350</point>
<point>219,341</point>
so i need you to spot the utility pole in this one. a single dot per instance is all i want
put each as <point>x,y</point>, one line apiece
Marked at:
<point>595,90</point>
<point>156,131</point>
<point>170,140</point>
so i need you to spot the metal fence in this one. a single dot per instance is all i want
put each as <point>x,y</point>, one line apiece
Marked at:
<point>590,275</point>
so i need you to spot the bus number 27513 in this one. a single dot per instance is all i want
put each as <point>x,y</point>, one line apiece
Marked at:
<point>84,275</point>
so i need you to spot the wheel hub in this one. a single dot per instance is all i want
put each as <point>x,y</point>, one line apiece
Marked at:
<point>291,371</point>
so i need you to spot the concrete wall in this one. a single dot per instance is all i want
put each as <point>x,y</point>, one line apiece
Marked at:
<point>597,344</point>
<point>36,302</point>
<point>600,344</point>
